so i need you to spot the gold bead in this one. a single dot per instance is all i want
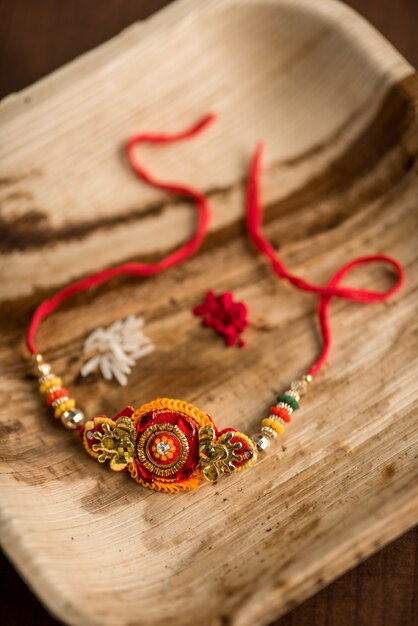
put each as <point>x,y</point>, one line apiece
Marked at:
<point>41,368</point>
<point>268,432</point>
<point>284,405</point>
<point>300,386</point>
<point>273,416</point>
<point>73,418</point>
<point>46,377</point>
<point>37,359</point>
<point>273,423</point>
<point>60,401</point>
<point>65,406</point>
<point>261,442</point>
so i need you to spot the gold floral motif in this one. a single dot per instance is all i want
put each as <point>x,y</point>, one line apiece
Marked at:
<point>217,455</point>
<point>115,442</point>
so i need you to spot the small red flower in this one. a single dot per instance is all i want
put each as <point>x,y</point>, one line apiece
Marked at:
<point>226,317</point>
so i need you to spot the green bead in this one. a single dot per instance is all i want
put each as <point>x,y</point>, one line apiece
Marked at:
<point>289,400</point>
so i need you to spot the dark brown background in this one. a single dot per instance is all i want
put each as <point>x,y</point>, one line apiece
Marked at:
<point>37,36</point>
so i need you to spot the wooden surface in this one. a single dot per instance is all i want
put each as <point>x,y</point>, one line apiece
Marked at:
<point>380,591</point>
<point>359,183</point>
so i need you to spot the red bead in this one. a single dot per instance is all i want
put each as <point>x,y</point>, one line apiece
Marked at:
<point>58,393</point>
<point>280,412</point>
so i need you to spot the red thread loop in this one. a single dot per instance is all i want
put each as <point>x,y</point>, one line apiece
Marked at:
<point>192,245</point>
<point>139,269</point>
<point>332,288</point>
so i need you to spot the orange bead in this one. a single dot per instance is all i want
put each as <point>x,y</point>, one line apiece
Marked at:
<point>280,412</point>
<point>58,393</point>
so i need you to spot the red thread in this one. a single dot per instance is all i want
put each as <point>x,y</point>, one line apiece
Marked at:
<point>226,317</point>
<point>192,245</point>
<point>139,269</point>
<point>332,288</point>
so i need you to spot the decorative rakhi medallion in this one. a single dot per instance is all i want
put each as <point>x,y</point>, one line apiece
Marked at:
<point>163,449</point>
<point>168,445</point>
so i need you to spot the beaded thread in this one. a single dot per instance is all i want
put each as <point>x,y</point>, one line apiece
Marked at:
<point>170,445</point>
<point>57,396</point>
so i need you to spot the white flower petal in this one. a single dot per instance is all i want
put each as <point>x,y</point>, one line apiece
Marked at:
<point>125,368</point>
<point>115,349</point>
<point>105,368</point>
<point>89,366</point>
<point>143,351</point>
<point>116,326</point>
<point>120,377</point>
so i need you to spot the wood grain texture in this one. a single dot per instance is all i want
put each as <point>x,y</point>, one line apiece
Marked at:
<point>378,592</point>
<point>340,180</point>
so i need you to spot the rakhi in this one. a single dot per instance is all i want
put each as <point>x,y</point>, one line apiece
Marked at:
<point>170,445</point>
